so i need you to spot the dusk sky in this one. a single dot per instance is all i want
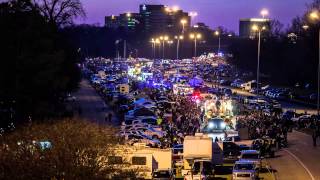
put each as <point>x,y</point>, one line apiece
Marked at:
<point>211,12</point>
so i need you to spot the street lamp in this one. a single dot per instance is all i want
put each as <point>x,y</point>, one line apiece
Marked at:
<point>258,29</point>
<point>195,37</point>
<point>178,38</point>
<point>264,12</point>
<point>157,41</point>
<point>170,42</point>
<point>163,39</point>
<point>217,33</point>
<point>314,15</point>
<point>183,22</point>
<point>153,42</point>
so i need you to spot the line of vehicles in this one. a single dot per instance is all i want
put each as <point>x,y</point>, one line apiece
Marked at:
<point>200,157</point>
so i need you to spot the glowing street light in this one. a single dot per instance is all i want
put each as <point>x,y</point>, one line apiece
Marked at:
<point>217,33</point>
<point>163,39</point>
<point>305,27</point>
<point>264,13</point>
<point>153,42</point>
<point>128,14</point>
<point>195,37</point>
<point>258,29</point>
<point>178,38</point>
<point>314,15</point>
<point>183,22</point>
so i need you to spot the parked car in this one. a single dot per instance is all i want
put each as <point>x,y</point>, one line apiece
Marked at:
<point>252,155</point>
<point>140,138</point>
<point>162,174</point>
<point>244,170</point>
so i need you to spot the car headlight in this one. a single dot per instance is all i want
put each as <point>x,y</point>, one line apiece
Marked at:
<point>223,125</point>
<point>210,125</point>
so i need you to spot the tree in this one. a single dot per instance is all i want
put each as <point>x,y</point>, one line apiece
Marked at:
<point>276,28</point>
<point>75,149</point>
<point>38,66</point>
<point>60,12</point>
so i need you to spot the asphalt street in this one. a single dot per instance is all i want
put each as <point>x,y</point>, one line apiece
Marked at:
<point>300,161</point>
<point>92,106</point>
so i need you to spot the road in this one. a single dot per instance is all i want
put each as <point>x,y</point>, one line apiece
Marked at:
<point>300,161</point>
<point>285,105</point>
<point>92,105</point>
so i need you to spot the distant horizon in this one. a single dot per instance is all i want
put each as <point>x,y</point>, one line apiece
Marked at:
<point>284,11</point>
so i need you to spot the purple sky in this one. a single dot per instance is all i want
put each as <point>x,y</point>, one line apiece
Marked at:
<point>211,12</point>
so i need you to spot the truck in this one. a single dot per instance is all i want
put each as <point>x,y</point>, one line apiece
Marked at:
<point>199,156</point>
<point>143,159</point>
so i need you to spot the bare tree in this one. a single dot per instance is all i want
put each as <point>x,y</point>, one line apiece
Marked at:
<point>276,28</point>
<point>60,12</point>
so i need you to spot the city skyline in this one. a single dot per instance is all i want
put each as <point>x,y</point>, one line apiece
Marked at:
<point>207,13</point>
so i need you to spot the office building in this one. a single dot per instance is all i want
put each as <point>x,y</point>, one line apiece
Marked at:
<point>128,21</point>
<point>151,19</point>
<point>160,18</point>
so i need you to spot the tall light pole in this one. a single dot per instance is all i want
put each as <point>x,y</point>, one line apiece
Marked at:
<point>183,22</point>
<point>217,33</point>
<point>195,37</point>
<point>315,15</point>
<point>258,29</point>
<point>163,39</point>
<point>157,41</point>
<point>178,38</point>
<point>153,43</point>
<point>170,42</point>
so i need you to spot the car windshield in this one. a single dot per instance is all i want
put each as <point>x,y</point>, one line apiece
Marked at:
<point>161,174</point>
<point>244,167</point>
<point>250,156</point>
<point>202,167</point>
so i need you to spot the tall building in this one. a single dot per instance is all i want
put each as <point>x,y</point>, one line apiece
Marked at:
<point>160,18</point>
<point>129,21</point>
<point>245,26</point>
<point>151,19</point>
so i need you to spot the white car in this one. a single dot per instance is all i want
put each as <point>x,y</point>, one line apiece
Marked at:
<point>149,131</point>
<point>141,138</point>
<point>302,118</point>
<point>244,170</point>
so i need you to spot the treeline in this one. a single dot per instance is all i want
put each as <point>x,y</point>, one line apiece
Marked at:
<point>38,64</point>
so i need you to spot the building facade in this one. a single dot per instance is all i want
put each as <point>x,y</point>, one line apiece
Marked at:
<point>151,18</point>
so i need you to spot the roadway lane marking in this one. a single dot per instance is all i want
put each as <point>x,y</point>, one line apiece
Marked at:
<point>301,163</point>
